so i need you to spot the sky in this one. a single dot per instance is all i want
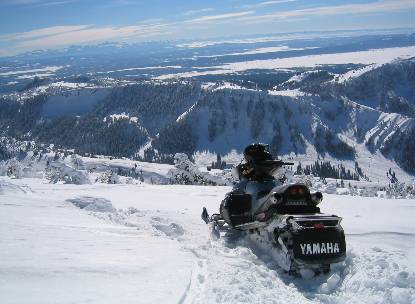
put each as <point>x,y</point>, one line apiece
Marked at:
<point>28,25</point>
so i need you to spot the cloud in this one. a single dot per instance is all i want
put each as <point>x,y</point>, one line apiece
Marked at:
<point>38,2</point>
<point>63,36</point>
<point>21,2</point>
<point>151,21</point>
<point>115,3</point>
<point>198,11</point>
<point>357,8</point>
<point>5,53</point>
<point>267,3</point>
<point>210,18</point>
<point>53,3</point>
<point>49,31</point>
<point>93,34</point>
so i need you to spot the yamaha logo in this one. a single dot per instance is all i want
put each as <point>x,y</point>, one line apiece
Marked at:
<point>319,248</point>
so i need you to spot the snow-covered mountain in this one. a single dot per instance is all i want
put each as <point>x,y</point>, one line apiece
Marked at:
<point>352,113</point>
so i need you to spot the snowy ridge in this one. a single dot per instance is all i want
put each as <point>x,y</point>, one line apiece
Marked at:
<point>386,126</point>
<point>356,73</point>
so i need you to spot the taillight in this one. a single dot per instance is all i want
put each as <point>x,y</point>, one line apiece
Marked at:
<point>296,190</point>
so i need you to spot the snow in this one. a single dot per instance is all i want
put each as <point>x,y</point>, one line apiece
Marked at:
<point>362,57</point>
<point>63,86</point>
<point>71,85</point>
<point>50,69</point>
<point>121,116</point>
<point>92,204</point>
<point>101,243</point>
<point>140,69</point>
<point>369,57</point>
<point>290,93</point>
<point>53,252</point>
<point>32,76</point>
<point>263,50</point>
<point>356,73</point>
<point>183,115</point>
<point>149,169</point>
<point>216,86</point>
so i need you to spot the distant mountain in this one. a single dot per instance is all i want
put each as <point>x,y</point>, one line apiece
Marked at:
<point>199,58</point>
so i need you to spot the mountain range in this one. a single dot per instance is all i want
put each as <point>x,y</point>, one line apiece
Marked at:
<point>347,112</point>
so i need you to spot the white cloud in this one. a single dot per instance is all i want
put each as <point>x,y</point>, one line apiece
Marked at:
<point>93,34</point>
<point>198,11</point>
<point>5,53</point>
<point>151,21</point>
<point>267,3</point>
<point>37,2</point>
<point>61,36</point>
<point>357,8</point>
<point>21,2</point>
<point>115,3</point>
<point>210,18</point>
<point>48,31</point>
<point>53,3</point>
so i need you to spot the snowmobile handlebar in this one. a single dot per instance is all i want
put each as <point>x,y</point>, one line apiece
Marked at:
<point>273,162</point>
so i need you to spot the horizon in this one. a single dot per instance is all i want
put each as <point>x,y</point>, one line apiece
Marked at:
<point>53,25</point>
<point>226,39</point>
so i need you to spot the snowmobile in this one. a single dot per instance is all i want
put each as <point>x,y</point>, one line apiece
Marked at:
<point>282,219</point>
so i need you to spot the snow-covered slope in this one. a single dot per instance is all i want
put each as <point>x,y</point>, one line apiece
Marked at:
<point>389,87</point>
<point>301,127</point>
<point>147,244</point>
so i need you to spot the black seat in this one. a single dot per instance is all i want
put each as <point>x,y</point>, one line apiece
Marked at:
<point>236,208</point>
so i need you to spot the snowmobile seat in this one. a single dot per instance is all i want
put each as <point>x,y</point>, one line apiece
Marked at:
<point>236,208</point>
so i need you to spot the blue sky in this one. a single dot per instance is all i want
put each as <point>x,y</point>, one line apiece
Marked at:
<point>27,25</point>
